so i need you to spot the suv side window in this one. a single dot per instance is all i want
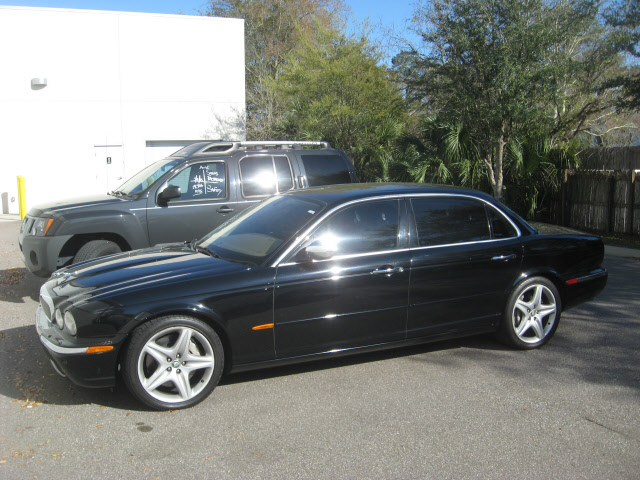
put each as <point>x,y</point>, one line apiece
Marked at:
<point>265,175</point>
<point>449,220</point>
<point>202,181</point>
<point>325,169</point>
<point>362,228</point>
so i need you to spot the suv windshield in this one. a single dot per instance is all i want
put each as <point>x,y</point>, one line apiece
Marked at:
<point>145,178</point>
<point>253,235</point>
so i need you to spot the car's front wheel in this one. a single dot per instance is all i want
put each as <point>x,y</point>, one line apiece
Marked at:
<point>173,362</point>
<point>532,314</point>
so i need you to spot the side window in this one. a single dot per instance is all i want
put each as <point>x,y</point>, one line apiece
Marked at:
<point>265,175</point>
<point>362,228</point>
<point>202,181</point>
<point>283,173</point>
<point>500,226</point>
<point>325,169</point>
<point>449,220</point>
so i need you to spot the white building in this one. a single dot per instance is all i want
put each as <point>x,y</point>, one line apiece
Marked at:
<point>88,98</point>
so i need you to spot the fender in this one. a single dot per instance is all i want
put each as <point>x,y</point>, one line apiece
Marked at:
<point>232,320</point>
<point>128,224</point>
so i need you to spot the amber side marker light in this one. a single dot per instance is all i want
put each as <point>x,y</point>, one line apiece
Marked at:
<point>49,222</point>
<point>102,348</point>
<point>266,326</point>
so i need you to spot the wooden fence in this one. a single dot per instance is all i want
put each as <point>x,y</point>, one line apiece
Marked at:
<point>600,201</point>
<point>610,158</point>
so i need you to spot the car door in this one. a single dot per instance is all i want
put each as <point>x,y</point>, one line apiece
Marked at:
<point>465,257</point>
<point>208,198</point>
<point>356,298</point>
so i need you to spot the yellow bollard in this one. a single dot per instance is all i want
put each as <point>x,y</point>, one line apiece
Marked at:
<point>22,199</point>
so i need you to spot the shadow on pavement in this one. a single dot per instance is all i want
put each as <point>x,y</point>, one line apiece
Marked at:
<point>29,379</point>
<point>16,284</point>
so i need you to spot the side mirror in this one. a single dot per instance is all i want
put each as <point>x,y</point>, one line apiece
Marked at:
<point>320,251</point>
<point>169,193</point>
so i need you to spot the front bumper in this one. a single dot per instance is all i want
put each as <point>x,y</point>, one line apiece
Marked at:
<point>40,254</point>
<point>84,369</point>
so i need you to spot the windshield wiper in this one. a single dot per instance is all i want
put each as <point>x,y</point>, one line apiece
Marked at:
<point>207,251</point>
<point>193,245</point>
<point>118,193</point>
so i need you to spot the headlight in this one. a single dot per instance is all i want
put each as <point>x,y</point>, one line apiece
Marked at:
<point>42,226</point>
<point>58,319</point>
<point>70,323</point>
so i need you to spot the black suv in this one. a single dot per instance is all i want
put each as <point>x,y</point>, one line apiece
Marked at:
<point>179,198</point>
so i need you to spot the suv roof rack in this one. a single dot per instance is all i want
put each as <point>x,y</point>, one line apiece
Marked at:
<point>224,147</point>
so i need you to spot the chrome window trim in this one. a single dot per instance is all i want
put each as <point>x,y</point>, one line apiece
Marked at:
<point>353,255</point>
<point>405,196</point>
<point>177,202</point>
<point>491,240</point>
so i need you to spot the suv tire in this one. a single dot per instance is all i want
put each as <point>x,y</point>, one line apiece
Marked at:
<point>95,249</point>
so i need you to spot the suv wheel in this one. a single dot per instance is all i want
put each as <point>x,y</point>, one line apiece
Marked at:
<point>95,249</point>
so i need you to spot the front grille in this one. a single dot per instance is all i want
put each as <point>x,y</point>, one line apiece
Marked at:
<point>46,304</point>
<point>26,224</point>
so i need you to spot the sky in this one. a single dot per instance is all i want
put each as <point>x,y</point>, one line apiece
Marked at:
<point>389,13</point>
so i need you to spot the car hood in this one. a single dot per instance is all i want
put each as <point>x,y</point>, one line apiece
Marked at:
<point>61,206</point>
<point>159,266</point>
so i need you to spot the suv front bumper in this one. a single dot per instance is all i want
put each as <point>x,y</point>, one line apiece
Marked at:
<point>40,254</point>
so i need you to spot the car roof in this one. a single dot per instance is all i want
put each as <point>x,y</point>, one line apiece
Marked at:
<point>335,194</point>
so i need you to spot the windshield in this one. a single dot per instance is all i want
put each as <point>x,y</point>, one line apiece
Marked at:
<point>145,178</point>
<point>259,231</point>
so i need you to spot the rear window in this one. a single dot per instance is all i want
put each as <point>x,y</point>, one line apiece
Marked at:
<point>326,169</point>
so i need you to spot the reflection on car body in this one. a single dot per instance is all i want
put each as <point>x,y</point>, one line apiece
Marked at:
<point>313,274</point>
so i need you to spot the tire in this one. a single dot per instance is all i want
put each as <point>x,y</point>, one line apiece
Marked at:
<point>532,314</point>
<point>95,249</point>
<point>173,362</point>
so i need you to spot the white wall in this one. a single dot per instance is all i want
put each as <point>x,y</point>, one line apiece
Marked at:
<point>113,79</point>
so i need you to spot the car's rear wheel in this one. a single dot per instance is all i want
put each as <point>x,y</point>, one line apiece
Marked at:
<point>95,249</point>
<point>532,314</point>
<point>173,362</point>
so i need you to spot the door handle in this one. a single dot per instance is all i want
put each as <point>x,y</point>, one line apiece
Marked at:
<point>387,270</point>
<point>224,209</point>
<point>504,258</point>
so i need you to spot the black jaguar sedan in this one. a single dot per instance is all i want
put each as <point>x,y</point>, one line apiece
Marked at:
<point>312,274</point>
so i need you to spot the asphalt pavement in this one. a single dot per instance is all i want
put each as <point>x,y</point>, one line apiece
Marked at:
<point>468,408</point>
